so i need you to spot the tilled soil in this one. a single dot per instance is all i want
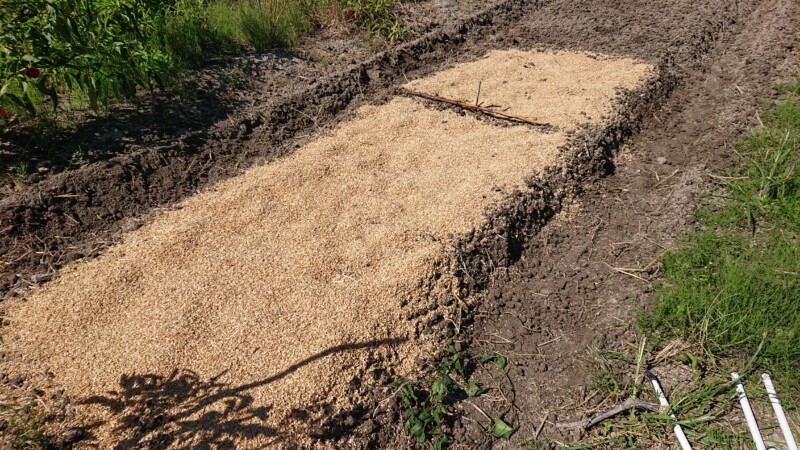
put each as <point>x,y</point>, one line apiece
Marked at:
<point>561,293</point>
<point>568,291</point>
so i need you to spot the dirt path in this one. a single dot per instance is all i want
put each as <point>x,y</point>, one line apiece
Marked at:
<point>564,294</point>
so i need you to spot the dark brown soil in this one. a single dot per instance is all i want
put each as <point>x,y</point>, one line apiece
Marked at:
<point>553,289</point>
<point>564,294</point>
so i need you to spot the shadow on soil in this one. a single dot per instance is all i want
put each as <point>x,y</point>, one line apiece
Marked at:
<point>54,145</point>
<point>183,411</point>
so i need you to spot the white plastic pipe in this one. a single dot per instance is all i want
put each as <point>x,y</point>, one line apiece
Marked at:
<point>776,406</point>
<point>685,445</point>
<point>748,414</point>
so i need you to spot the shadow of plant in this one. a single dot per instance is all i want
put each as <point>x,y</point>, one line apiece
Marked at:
<point>183,411</point>
<point>157,412</point>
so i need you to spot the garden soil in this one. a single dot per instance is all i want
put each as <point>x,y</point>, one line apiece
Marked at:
<point>567,293</point>
<point>555,295</point>
<point>245,305</point>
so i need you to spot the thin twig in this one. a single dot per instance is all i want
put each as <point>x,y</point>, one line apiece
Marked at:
<point>478,97</point>
<point>380,404</point>
<point>478,409</point>
<point>476,108</point>
<point>625,272</point>
<point>550,341</point>
<point>667,178</point>
<point>541,425</point>
<point>630,403</point>
<point>720,177</point>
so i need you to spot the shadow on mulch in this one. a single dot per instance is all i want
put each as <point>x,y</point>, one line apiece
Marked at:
<point>183,411</point>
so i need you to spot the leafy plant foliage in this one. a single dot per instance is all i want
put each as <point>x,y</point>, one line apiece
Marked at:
<point>98,47</point>
<point>428,403</point>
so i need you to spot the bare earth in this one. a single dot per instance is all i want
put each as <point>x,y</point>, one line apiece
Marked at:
<point>278,289</point>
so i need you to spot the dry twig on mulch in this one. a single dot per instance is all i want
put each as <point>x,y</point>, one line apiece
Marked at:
<point>489,111</point>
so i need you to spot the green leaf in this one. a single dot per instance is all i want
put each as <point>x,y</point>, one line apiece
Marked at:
<point>438,389</point>
<point>438,413</point>
<point>408,392</point>
<point>441,441</point>
<point>501,429</point>
<point>417,429</point>
<point>501,360</point>
<point>458,364</point>
<point>474,389</point>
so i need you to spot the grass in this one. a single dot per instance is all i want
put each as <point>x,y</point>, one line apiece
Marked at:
<point>22,421</point>
<point>730,302</point>
<point>197,29</point>
<point>99,51</point>
<point>702,402</point>
<point>733,287</point>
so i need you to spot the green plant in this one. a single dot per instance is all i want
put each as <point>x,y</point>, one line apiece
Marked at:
<point>428,402</point>
<point>99,47</point>
<point>426,409</point>
<point>21,170</point>
<point>272,23</point>
<point>377,17</point>
<point>22,425</point>
<point>193,30</point>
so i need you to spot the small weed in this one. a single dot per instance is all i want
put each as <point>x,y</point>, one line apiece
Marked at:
<point>21,170</point>
<point>532,444</point>
<point>22,426</point>
<point>426,409</point>
<point>377,17</point>
<point>428,403</point>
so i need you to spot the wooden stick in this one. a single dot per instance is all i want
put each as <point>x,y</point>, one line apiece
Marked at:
<point>622,407</point>
<point>477,108</point>
<point>541,425</point>
<point>625,272</point>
